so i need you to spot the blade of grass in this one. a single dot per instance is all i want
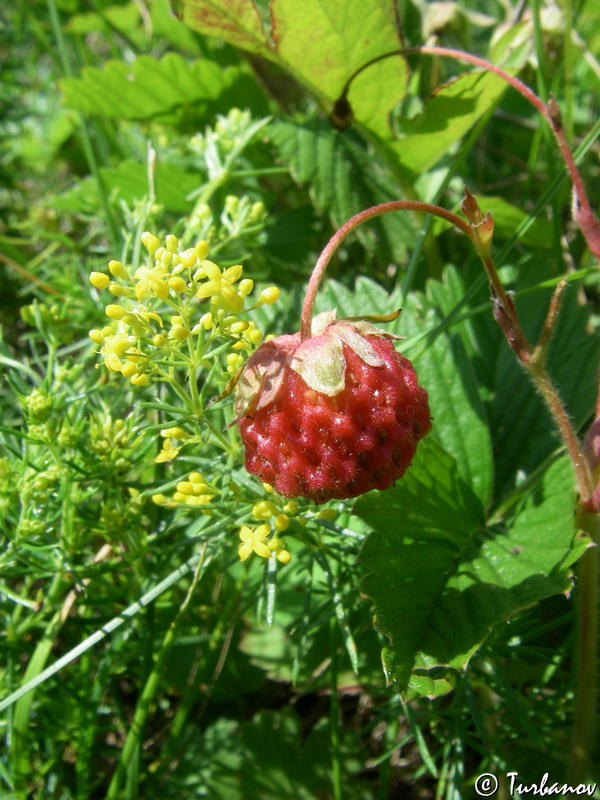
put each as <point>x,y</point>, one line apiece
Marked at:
<point>105,630</point>
<point>420,740</point>
<point>140,717</point>
<point>86,140</point>
<point>336,761</point>
<point>340,612</point>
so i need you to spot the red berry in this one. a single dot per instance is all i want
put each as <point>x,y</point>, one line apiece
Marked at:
<point>333,416</point>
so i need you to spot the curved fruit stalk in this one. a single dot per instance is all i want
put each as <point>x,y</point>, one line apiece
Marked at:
<point>333,410</point>
<point>583,215</point>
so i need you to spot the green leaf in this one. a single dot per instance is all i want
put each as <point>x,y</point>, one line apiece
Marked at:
<point>236,21</point>
<point>343,180</point>
<point>166,25</point>
<point>124,18</point>
<point>448,115</point>
<point>350,32</point>
<point>130,181</point>
<point>460,421</point>
<point>440,579</point>
<point>147,87</point>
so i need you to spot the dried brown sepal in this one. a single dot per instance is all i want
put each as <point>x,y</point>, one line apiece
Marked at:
<point>341,116</point>
<point>319,360</point>
<point>470,208</point>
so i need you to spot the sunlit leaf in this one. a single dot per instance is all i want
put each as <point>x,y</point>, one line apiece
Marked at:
<point>448,115</point>
<point>441,578</point>
<point>147,87</point>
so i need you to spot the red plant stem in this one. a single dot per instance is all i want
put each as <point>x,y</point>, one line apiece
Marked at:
<point>347,228</point>
<point>582,211</point>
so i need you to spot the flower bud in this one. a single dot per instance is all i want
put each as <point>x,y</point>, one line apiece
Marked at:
<point>114,312</point>
<point>99,280</point>
<point>179,332</point>
<point>201,250</point>
<point>117,269</point>
<point>281,522</point>
<point>174,433</point>
<point>172,243</point>
<point>96,336</point>
<point>326,513</point>
<point>150,242</point>
<point>178,284</point>
<point>129,369</point>
<point>270,295</point>
<point>141,380</point>
<point>118,290</point>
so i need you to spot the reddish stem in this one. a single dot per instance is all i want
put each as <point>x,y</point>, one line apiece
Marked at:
<point>582,211</point>
<point>347,228</point>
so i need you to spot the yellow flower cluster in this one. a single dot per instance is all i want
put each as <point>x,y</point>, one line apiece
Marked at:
<point>195,491</point>
<point>169,449</point>
<point>140,340</point>
<point>264,539</point>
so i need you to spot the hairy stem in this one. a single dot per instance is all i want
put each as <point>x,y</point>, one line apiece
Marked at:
<point>347,228</point>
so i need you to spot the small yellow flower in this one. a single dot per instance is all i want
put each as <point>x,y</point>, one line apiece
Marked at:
<point>113,349</point>
<point>168,452</point>
<point>219,285</point>
<point>253,541</point>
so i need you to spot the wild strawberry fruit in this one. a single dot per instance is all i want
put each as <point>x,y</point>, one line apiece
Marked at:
<point>332,415</point>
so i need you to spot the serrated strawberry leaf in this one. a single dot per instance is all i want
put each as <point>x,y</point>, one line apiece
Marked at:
<point>343,180</point>
<point>441,577</point>
<point>151,86</point>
